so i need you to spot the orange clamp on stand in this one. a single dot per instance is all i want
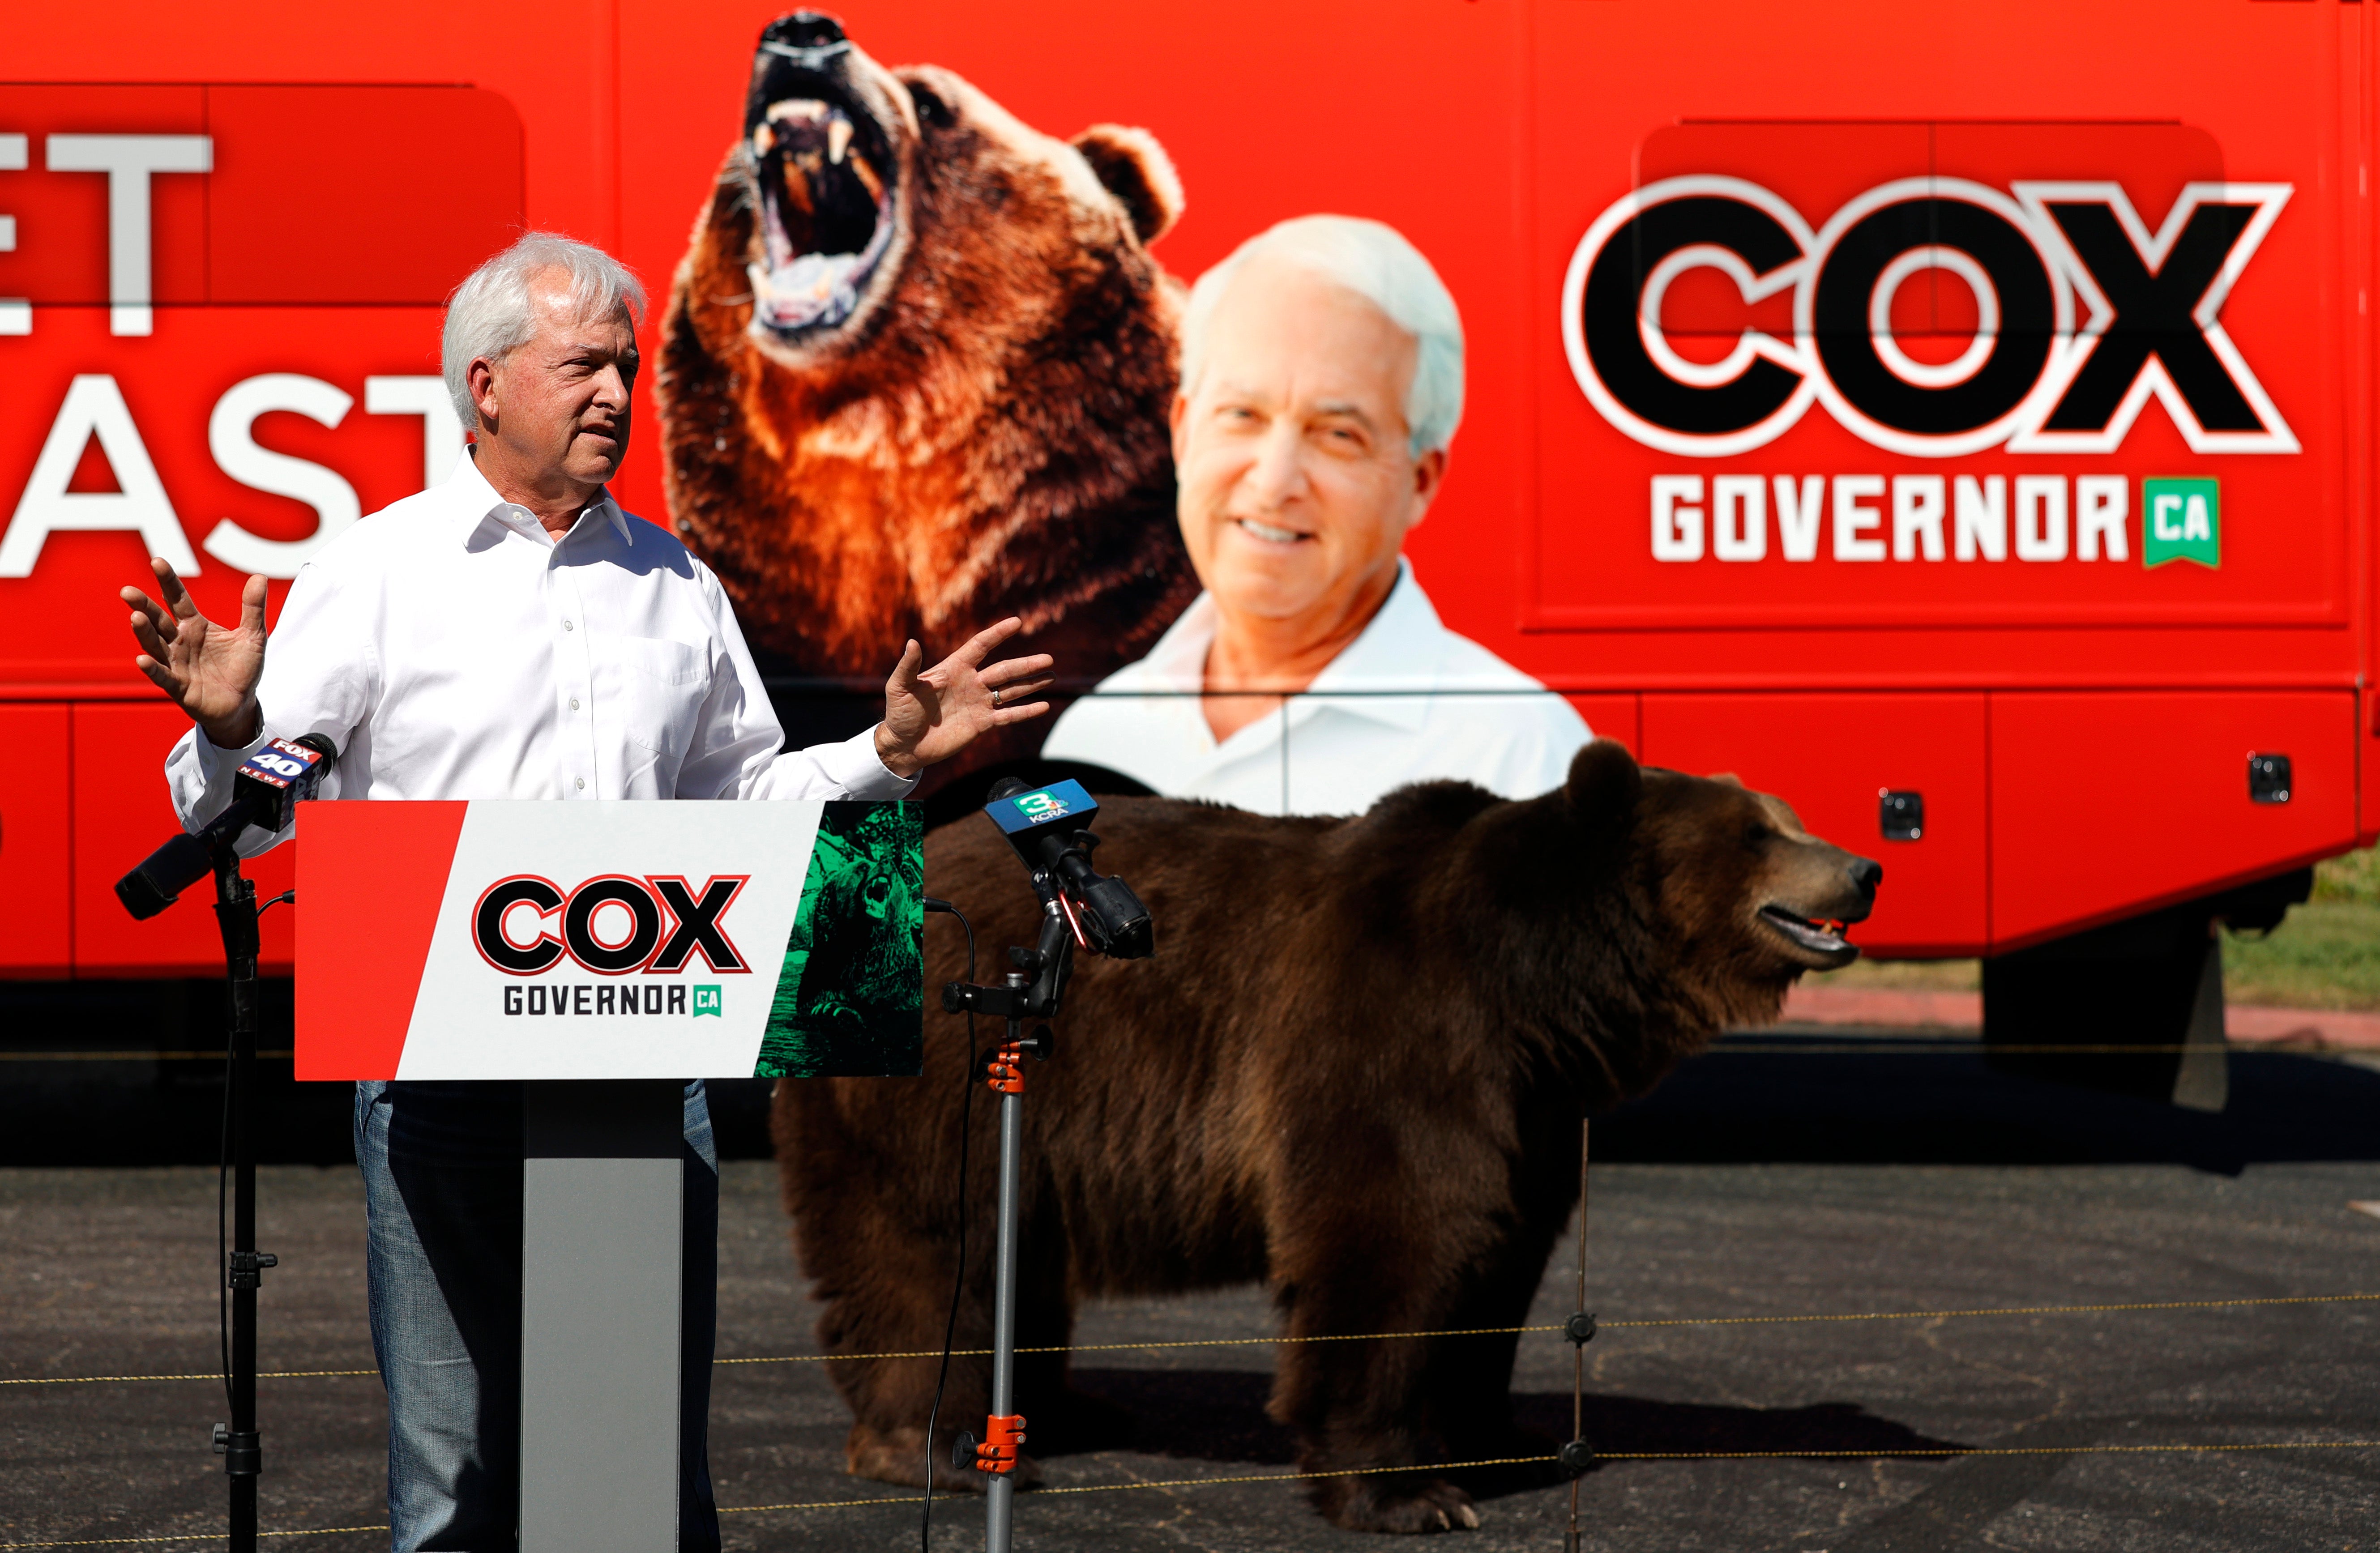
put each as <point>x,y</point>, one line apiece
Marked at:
<point>1005,1072</point>
<point>1004,1433</point>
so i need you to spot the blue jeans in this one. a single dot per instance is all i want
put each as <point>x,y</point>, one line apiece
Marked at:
<point>441,1167</point>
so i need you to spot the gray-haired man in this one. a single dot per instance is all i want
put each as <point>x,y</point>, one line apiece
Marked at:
<point>512,634</point>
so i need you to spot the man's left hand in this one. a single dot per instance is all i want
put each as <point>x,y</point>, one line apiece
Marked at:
<point>931,714</point>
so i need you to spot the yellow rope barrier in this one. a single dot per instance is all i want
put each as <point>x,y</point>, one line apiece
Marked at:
<point>1934,1452</point>
<point>189,1536</point>
<point>1042,1488</point>
<point>211,1374</point>
<point>1358,1337</point>
<point>1766,1046</point>
<point>1989,1310</point>
<point>1600,1325</point>
<point>1940,1452</point>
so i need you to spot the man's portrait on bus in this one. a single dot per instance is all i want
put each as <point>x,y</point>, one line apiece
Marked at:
<point>1321,387</point>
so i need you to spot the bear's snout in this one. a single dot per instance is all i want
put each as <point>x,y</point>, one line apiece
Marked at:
<point>805,29</point>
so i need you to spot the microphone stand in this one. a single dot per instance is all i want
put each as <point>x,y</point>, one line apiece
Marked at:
<point>236,912</point>
<point>1031,991</point>
<point>273,780</point>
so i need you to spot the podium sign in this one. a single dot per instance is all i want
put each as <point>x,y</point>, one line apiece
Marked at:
<point>616,940</point>
<point>509,940</point>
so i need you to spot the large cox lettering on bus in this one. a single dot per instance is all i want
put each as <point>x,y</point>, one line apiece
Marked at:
<point>2081,314</point>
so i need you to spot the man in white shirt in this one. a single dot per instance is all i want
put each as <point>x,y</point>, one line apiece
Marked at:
<point>1322,383</point>
<point>513,634</point>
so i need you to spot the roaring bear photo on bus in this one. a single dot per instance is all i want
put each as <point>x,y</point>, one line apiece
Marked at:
<point>915,371</point>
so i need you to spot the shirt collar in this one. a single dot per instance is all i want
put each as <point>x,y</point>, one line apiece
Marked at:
<point>473,501</point>
<point>1178,661</point>
<point>1399,650</point>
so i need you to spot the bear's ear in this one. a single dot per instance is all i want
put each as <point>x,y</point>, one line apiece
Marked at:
<point>1730,778</point>
<point>1135,168</point>
<point>1604,785</point>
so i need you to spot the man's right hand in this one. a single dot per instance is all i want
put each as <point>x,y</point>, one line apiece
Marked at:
<point>207,671</point>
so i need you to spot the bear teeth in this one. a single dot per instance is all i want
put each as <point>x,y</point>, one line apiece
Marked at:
<point>826,214</point>
<point>1819,938</point>
<point>867,179</point>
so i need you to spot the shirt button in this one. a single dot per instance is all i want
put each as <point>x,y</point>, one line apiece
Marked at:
<point>574,703</point>
<point>567,625</point>
<point>582,782</point>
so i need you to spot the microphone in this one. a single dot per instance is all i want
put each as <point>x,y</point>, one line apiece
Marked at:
<point>270,785</point>
<point>1048,826</point>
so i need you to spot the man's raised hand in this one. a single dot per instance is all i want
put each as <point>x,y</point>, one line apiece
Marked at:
<point>208,672</point>
<point>931,714</point>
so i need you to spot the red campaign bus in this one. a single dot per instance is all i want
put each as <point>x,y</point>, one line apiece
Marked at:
<point>1958,421</point>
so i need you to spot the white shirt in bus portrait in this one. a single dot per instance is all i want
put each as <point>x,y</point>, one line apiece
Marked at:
<point>1408,700</point>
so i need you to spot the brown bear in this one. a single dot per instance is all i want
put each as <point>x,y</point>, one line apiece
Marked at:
<point>1354,1069</point>
<point>914,374</point>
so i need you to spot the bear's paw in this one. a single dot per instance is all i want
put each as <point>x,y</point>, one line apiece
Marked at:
<point>1402,1505</point>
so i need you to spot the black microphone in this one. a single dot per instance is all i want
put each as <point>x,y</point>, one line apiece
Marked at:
<point>1048,826</point>
<point>271,782</point>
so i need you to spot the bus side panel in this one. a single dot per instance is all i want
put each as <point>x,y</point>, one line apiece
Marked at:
<point>2367,757</point>
<point>1832,758</point>
<point>35,859</point>
<point>163,400</point>
<point>122,814</point>
<point>2359,130</point>
<point>1615,717</point>
<point>2107,804</point>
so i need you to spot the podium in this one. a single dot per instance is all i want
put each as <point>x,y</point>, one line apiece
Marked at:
<point>606,952</point>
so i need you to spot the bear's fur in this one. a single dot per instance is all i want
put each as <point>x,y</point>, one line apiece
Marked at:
<point>914,374</point>
<point>1354,1069</point>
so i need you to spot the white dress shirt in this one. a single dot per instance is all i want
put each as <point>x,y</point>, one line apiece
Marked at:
<point>1464,713</point>
<point>452,648</point>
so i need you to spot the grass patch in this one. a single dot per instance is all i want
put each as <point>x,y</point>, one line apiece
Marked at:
<point>1905,975</point>
<point>2355,877</point>
<point>2326,955</point>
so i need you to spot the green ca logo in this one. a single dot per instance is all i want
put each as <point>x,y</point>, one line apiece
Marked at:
<point>1038,806</point>
<point>707,1000</point>
<point>2181,521</point>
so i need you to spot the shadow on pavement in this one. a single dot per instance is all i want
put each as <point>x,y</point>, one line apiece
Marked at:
<point>1219,1415</point>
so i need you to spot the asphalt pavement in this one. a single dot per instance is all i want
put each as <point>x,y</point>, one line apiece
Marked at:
<point>1777,1178</point>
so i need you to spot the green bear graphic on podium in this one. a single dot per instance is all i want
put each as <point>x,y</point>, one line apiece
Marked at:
<point>851,1001</point>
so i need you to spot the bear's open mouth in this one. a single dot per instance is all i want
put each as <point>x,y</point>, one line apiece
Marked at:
<point>1821,936</point>
<point>826,178</point>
